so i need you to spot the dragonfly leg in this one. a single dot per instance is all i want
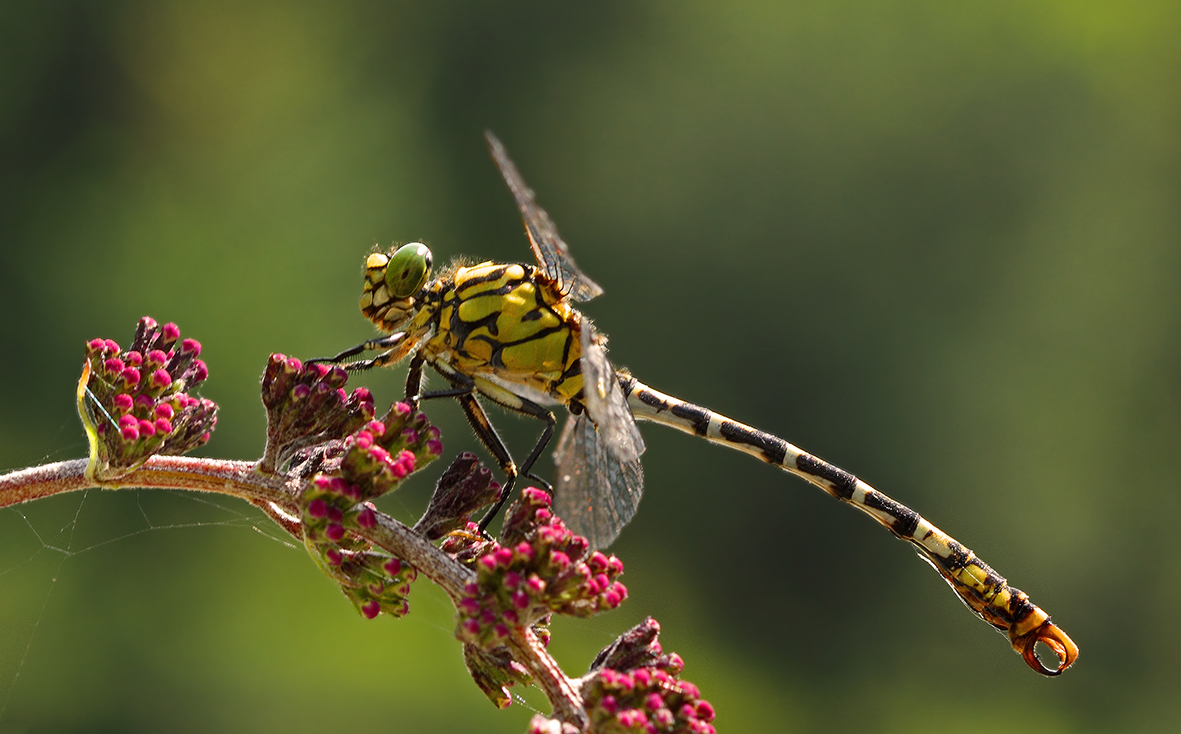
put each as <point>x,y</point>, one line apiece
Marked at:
<point>463,389</point>
<point>414,381</point>
<point>385,343</point>
<point>492,441</point>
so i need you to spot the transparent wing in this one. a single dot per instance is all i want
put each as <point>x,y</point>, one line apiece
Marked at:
<point>600,480</point>
<point>595,493</point>
<point>605,402</point>
<point>551,252</point>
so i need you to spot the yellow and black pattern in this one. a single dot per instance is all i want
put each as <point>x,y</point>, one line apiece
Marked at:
<point>980,587</point>
<point>506,332</point>
<point>506,321</point>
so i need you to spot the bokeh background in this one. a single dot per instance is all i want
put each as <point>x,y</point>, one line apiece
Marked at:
<point>936,244</point>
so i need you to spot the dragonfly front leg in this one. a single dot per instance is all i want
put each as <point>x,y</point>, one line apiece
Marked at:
<point>387,357</point>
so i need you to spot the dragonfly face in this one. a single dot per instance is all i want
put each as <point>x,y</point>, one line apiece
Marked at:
<point>394,285</point>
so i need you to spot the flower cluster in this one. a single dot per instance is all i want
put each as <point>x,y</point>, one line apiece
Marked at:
<point>383,453</point>
<point>541,567</point>
<point>633,686</point>
<point>135,403</point>
<point>307,405</point>
<point>376,458</point>
<point>648,699</point>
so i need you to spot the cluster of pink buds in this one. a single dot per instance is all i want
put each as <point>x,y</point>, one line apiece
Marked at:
<point>307,405</point>
<point>376,458</point>
<point>136,403</point>
<point>382,453</point>
<point>634,686</point>
<point>649,699</point>
<point>546,568</point>
<point>374,582</point>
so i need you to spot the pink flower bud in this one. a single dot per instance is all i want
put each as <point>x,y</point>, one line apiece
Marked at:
<point>705,711</point>
<point>366,518</point>
<point>597,562</point>
<point>161,379</point>
<point>371,609</point>
<point>318,508</point>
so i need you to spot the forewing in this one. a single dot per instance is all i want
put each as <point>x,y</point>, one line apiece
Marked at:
<point>553,255</point>
<point>596,494</point>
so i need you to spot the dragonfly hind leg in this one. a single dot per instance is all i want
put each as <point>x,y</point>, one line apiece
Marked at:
<point>463,389</point>
<point>485,430</point>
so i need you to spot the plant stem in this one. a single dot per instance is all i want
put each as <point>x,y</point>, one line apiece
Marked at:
<point>277,496</point>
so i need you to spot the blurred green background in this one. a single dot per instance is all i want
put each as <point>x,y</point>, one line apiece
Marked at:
<point>936,244</point>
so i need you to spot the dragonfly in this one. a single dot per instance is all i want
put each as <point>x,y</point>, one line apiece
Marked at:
<point>509,334</point>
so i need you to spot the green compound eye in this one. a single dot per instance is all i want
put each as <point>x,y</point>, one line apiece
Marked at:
<point>408,270</point>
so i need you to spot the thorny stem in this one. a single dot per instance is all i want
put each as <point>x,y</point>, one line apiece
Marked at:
<point>277,497</point>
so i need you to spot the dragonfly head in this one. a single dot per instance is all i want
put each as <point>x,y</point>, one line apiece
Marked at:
<point>391,283</point>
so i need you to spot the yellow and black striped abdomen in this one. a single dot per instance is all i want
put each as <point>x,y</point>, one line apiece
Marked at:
<point>507,320</point>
